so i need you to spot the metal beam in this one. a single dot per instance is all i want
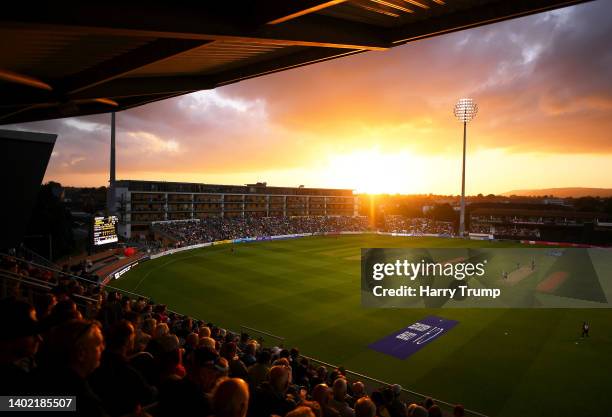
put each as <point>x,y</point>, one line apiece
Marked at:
<point>309,56</point>
<point>491,12</point>
<point>283,11</point>
<point>196,21</point>
<point>156,51</point>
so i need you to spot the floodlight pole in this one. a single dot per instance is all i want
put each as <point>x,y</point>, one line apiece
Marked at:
<point>465,110</point>
<point>462,212</point>
<point>111,209</point>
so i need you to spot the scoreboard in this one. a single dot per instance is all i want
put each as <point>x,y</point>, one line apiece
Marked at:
<point>105,230</point>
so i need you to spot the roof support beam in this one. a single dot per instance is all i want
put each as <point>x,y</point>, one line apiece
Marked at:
<point>494,11</point>
<point>283,11</point>
<point>195,21</point>
<point>156,51</point>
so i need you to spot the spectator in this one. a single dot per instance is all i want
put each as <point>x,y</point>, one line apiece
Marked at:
<point>339,399</point>
<point>249,354</point>
<point>381,408</point>
<point>231,398</point>
<point>364,407</point>
<point>358,391</point>
<point>120,387</point>
<point>69,354</point>
<point>396,407</point>
<point>237,369</point>
<point>458,411</point>
<point>322,395</point>
<point>259,372</point>
<point>19,342</point>
<point>434,411</point>
<point>182,396</point>
<point>271,396</point>
<point>419,411</point>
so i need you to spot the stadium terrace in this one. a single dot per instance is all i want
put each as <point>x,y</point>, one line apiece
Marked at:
<point>141,203</point>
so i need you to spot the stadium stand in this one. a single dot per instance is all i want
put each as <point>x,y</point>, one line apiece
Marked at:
<point>123,354</point>
<point>417,226</point>
<point>214,229</point>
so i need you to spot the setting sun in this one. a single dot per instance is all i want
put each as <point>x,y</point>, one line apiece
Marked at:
<point>370,171</point>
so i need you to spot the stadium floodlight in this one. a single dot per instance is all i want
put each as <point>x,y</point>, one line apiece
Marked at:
<point>465,110</point>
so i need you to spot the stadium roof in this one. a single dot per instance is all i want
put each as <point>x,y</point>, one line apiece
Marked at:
<point>62,59</point>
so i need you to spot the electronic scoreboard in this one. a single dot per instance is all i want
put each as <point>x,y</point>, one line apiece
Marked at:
<point>105,230</point>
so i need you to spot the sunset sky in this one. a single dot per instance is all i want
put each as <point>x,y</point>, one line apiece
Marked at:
<point>383,121</point>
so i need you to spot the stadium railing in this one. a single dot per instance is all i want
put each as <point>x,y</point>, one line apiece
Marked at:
<point>262,336</point>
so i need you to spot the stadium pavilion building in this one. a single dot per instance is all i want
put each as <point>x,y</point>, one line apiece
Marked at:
<point>140,203</point>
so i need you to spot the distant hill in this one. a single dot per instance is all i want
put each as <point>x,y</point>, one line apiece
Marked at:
<point>564,192</point>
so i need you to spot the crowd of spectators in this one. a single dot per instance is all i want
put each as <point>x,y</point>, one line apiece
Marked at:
<point>417,226</point>
<point>505,230</point>
<point>127,356</point>
<point>212,229</point>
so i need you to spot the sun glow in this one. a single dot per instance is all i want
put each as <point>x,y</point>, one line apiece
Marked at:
<point>371,171</point>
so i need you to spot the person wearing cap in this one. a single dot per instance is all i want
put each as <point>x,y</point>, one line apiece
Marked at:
<point>19,343</point>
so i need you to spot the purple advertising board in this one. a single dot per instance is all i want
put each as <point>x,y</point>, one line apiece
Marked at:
<point>411,339</point>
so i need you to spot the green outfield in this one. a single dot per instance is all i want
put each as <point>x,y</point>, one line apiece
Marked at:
<point>501,362</point>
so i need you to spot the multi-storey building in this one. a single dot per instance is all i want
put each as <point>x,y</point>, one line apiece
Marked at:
<point>139,203</point>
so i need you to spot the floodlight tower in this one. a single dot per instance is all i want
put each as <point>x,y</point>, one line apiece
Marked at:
<point>465,110</point>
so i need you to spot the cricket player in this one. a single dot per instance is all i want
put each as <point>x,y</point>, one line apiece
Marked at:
<point>585,329</point>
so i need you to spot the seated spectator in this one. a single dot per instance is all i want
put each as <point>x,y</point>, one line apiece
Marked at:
<point>19,342</point>
<point>458,411</point>
<point>320,377</point>
<point>161,330</point>
<point>249,354</point>
<point>208,342</point>
<point>339,398</point>
<point>183,396</point>
<point>419,411</point>
<point>322,395</point>
<point>204,331</point>
<point>381,408</point>
<point>364,407</point>
<point>434,411</point>
<point>69,354</point>
<point>259,372</point>
<point>358,390</point>
<point>230,398</point>
<point>236,366</point>
<point>192,342</point>
<point>120,387</point>
<point>396,407</point>
<point>271,396</point>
